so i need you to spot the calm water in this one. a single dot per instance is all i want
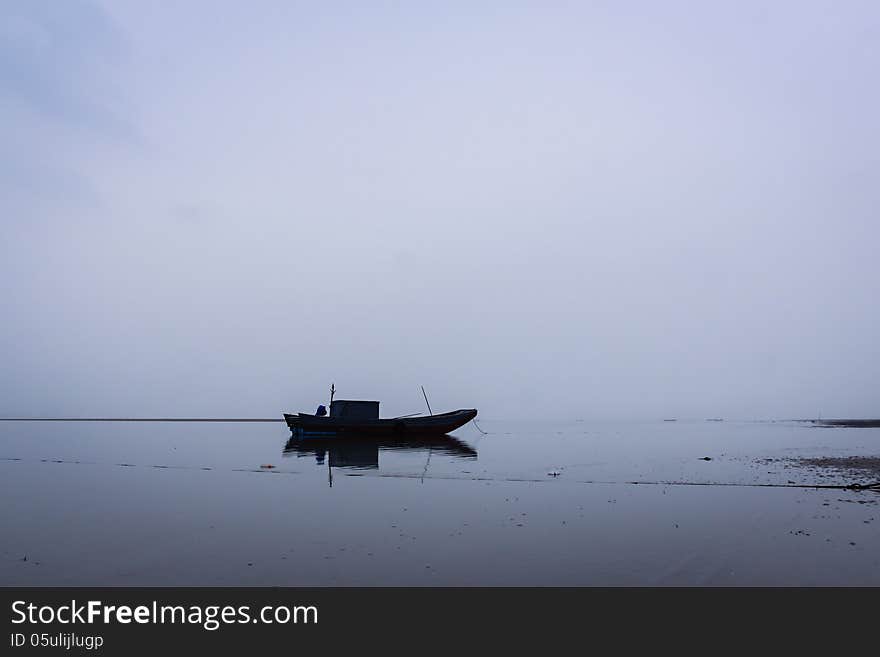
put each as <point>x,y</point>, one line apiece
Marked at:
<point>531,503</point>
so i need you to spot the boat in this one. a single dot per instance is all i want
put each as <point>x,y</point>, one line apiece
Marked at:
<point>358,417</point>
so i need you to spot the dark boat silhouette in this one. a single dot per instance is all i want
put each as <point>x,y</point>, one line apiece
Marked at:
<point>361,418</point>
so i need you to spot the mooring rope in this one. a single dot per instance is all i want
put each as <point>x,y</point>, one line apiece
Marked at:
<point>474,420</point>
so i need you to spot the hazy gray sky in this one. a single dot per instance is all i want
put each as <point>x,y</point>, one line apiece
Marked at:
<point>594,209</point>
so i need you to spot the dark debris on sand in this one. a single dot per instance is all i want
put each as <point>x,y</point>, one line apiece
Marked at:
<point>864,469</point>
<point>854,465</point>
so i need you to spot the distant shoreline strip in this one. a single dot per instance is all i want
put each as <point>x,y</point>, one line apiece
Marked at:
<point>141,419</point>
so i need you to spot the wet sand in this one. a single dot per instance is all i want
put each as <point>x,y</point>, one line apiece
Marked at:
<point>569,503</point>
<point>857,468</point>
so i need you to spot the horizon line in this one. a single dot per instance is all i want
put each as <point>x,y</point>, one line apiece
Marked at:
<point>140,419</point>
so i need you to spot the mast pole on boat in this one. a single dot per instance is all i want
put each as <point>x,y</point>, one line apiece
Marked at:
<point>426,400</point>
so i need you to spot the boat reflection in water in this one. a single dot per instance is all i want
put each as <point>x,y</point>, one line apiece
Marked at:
<point>362,452</point>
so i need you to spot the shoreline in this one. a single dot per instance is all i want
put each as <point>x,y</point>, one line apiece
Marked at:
<point>851,423</point>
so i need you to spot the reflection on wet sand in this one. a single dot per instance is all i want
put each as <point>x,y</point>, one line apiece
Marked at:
<point>363,452</point>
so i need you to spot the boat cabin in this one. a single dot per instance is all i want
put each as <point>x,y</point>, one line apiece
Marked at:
<point>354,410</point>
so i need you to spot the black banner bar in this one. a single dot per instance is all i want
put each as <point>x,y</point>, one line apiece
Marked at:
<point>112,621</point>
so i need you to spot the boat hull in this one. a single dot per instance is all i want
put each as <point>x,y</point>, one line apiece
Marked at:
<point>302,424</point>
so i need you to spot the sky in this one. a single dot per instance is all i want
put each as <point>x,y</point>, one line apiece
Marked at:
<point>587,210</point>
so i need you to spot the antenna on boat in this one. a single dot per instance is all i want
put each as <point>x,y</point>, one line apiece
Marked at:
<point>332,392</point>
<point>426,400</point>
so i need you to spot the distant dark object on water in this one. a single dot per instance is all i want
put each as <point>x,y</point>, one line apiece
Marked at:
<point>357,417</point>
<point>705,458</point>
<point>672,419</point>
<point>714,419</point>
<point>860,424</point>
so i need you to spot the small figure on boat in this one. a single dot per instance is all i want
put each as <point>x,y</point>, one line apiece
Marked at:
<point>322,410</point>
